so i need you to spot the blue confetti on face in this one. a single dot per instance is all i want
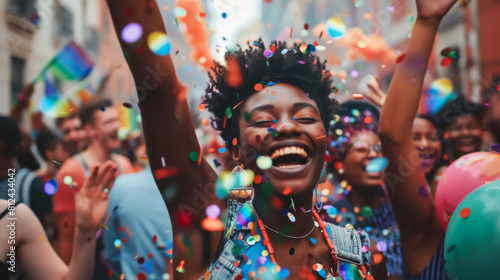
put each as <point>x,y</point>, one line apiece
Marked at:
<point>224,15</point>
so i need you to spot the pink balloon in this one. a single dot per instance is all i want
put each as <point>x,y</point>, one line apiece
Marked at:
<point>462,177</point>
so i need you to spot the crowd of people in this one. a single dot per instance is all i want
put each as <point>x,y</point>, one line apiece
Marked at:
<point>319,190</point>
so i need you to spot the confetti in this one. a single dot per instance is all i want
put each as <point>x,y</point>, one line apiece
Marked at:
<point>131,33</point>
<point>441,87</point>
<point>332,212</point>
<point>180,12</point>
<point>291,217</point>
<point>401,58</point>
<point>68,180</point>
<point>159,43</point>
<point>447,61</point>
<point>336,27</point>
<point>464,213</point>
<point>213,211</point>
<point>268,53</point>
<point>50,187</point>
<point>377,165</point>
<point>495,148</point>
<point>357,96</point>
<point>264,162</point>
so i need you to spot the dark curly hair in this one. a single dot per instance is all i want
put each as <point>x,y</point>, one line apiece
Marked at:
<point>299,68</point>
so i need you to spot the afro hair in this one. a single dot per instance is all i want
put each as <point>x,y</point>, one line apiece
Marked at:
<point>297,66</point>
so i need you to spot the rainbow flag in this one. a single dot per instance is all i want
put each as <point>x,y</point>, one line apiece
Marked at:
<point>129,122</point>
<point>70,64</point>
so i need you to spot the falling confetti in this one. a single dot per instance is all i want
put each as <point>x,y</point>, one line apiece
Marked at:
<point>50,187</point>
<point>264,162</point>
<point>159,43</point>
<point>377,165</point>
<point>336,27</point>
<point>131,33</point>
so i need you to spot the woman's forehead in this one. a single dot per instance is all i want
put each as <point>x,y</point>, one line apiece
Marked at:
<point>278,95</point>
<point>367,136</point>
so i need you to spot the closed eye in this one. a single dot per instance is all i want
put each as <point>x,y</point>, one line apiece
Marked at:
<point>307,119</point>
<point>262,122</point>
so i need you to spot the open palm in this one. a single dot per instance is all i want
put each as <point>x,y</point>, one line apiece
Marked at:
<point>436,9</point>
<point>91,200</point>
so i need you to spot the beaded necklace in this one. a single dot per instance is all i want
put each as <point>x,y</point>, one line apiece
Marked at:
<point>322,225</point>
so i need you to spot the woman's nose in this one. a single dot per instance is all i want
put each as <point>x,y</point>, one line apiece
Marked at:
<point>288,126</point>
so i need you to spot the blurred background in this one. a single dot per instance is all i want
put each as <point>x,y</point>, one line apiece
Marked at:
<point>371,35</point>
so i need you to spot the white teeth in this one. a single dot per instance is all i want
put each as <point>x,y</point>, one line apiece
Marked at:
<point>288,151</point>
<point>289,166</point>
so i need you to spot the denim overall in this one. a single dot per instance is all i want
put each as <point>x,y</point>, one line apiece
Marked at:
<point>351,249</point>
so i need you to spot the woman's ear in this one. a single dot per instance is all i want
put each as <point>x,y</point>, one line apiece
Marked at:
<point>236,154</point>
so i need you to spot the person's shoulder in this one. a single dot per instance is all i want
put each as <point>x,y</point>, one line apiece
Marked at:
<point>70,165</point>
<point>124,163</point>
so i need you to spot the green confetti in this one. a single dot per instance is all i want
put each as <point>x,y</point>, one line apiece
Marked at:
<point>367,212</point>
<point>238,95</point>
<point>229,113</point>
<point>247,117</point>
<point>411,19</point>
<point>193,156</point>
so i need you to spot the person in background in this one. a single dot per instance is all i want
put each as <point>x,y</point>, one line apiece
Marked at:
<point>427,139</point>
<point>72,132</point>
<point>51,148</point>
<point>363,204</point>
<point>461,122</point>
<point>100,122</point>
<point>137,205</point>
<point>492,99</point>
<point>29,188</point>
<point>24,155</point>
<point>33,254</point>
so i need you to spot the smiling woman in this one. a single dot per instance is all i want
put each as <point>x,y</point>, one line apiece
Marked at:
<point>267,103</point>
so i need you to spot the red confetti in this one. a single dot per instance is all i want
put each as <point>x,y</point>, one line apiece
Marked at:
<point>155,238</point>
<point>203,14</point>
<point>321,34</point>
<point>464,213</point>
<point>141,260</point>
<point>141,276</point>
<point>357,96</point>
<point>258,87</point>
<point>446,61</point>
<point>306,26</point>
<point>124,240</point>
<point>110,273</point>
<point>141,49</point>
<point>150,255</point>
<point>165,172</point>
<point>400,58</point>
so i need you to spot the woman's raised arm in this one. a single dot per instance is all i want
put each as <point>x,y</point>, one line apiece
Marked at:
<point>173,149</point>
<point>405,179</point>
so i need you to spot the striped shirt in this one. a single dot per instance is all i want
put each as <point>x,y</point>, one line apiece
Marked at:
<point>380,224</point>
<point>435,269</point>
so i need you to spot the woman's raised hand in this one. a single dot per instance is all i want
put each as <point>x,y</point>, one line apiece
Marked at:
<point>434,9</point>
<point>91,199</point>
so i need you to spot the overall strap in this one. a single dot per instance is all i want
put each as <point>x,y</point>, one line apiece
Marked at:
<point>346,243</point>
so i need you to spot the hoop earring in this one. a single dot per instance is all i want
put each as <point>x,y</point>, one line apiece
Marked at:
<point>320,187</point>
<point>243,192</point>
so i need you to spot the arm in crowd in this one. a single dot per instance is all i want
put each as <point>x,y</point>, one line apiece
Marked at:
<point>169,134</point>
<point>421,233</point>
<point>91,205</point>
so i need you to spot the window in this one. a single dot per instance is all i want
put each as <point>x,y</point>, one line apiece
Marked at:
<point>17,77</point>
<point>25,8</point>
<point>64,26</point>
